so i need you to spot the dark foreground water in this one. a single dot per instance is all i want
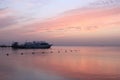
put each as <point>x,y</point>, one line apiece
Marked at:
<point>61,63</point>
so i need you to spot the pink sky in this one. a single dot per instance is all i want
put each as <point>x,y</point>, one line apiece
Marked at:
<point>93,23</point>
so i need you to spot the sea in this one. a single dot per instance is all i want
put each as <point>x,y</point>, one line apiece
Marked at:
<point>60,63</point>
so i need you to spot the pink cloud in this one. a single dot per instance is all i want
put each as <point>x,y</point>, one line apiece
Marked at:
<point>79,18</point>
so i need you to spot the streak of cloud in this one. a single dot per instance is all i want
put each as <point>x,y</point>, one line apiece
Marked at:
<point>106,3</point>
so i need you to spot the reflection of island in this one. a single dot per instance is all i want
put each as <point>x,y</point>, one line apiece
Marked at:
<point>32,45</point>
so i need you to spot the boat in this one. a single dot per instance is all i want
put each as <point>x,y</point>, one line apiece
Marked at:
<point>32,45</point>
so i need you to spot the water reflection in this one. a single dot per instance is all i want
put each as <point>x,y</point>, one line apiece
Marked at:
<point>59,63</point>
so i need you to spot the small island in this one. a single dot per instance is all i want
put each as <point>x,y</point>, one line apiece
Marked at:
<point>31,45</point>
<point>4,46</point>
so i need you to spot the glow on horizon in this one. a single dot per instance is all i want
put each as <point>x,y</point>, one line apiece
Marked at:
<point>73,22</point>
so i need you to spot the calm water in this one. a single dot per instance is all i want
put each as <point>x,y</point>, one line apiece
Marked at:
<point>61,63</point>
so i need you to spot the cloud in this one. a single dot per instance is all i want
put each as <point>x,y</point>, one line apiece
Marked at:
<point>12,14</point>
<point>7,21</point>
<point>80,19</point>
<point>3,8</point>
<point>7,18</point>
<point>106,3</point>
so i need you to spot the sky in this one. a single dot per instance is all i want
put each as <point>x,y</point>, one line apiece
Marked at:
<point>61,22</point>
